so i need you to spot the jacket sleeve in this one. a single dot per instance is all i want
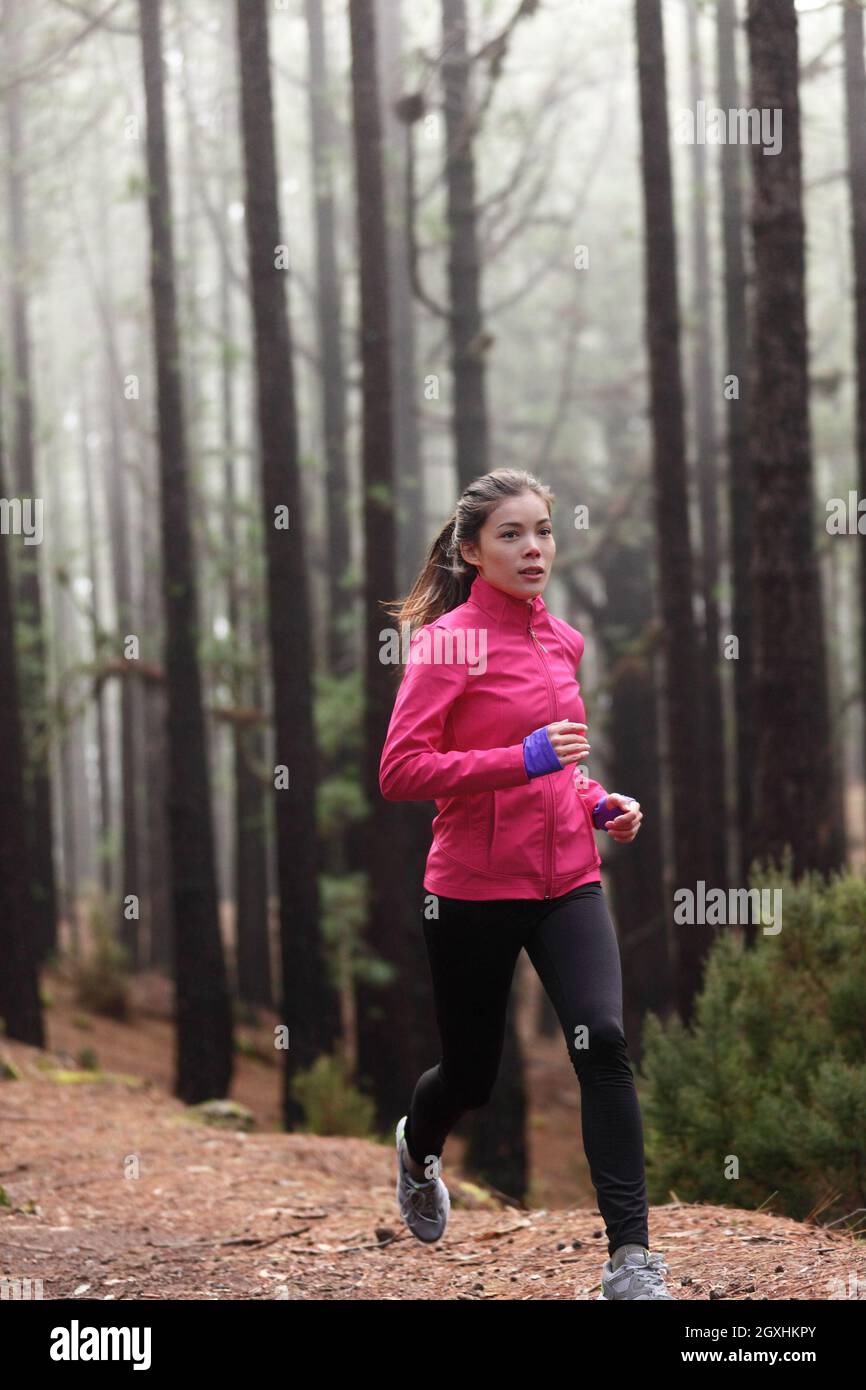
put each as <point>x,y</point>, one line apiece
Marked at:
<point>412,767</point>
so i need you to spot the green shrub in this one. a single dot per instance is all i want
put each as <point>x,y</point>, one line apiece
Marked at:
<point>772,1069</point>
<point>332,1104</point>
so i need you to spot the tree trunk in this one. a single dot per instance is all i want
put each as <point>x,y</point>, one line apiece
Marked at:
<point>626,631</point>
<point>66,653</point>
<point>412,530</point>
<point>308,1000</point>
<point>102,817</point>
<point>20,1009</point>
<point>385,1017</point>
<point>33,676</point>
<point>252,943</point>
<point>204,1025</point>
<point>329,317</point>
<point>161,890</point>
<point>733,167</point>
<point>674,554</point>
<point>136,784</point>
<point>794,771</point>
<point>855,105</point>
<point>706,472</point>
<point>468,339</point>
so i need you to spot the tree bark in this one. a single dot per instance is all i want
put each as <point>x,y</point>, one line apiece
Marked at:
<point>412,531</point>
<point>250,881</point>
<point>794,757</point>
<point>204,1027</point>
<point>683,675</point>
<point>33,676</point>
<point>707,476</point>
<point>20,1009</point>
<point>384,1013</point>
<point>855,111</point>
<point>308,1000</point>
<point>733,170</point>
<point>468,339</point>
<point>329,316</point>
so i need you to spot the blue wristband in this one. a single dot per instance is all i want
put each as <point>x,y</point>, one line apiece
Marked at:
<point>539,754</point>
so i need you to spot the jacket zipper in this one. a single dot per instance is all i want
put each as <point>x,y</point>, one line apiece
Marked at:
<point>549,800</point>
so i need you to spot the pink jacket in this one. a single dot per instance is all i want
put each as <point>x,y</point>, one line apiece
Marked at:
<point>478,680</point>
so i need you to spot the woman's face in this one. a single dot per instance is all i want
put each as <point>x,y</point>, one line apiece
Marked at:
<point>516,537</point>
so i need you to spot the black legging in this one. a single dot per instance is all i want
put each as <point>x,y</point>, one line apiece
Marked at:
<point>571,941</point>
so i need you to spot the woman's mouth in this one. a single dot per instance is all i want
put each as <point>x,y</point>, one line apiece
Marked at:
<point>532,572</point>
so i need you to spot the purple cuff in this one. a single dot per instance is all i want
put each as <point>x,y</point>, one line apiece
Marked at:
<point>601,815</point>
<point>539,755</point>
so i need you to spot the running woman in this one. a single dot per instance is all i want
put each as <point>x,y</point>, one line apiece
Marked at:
<point>489,722</point>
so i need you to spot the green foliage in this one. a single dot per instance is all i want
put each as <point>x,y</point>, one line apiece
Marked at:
<point>332,1105</point>
<point>381,495</point>
<point>337,712</point>
<point>87,1059</point>
<point>101,979</point>
<point>343,915</point>
<point>339,801</point>
<point>772,1069</point>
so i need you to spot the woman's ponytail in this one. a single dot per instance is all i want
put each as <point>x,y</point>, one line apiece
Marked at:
<point>443,583</point>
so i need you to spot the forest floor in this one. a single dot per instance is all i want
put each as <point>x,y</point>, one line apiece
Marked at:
<point>225,1213</point>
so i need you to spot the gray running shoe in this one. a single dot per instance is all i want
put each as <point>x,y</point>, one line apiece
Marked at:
<point>639,1276</point>
<point>424,1206</point>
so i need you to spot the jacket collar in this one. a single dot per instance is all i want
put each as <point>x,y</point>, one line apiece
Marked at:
<point>505,608</point>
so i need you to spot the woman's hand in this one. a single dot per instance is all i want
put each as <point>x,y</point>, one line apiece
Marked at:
<point>569,744</point>
<point>624,827</point>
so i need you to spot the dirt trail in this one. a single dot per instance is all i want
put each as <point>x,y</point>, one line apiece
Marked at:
<point>219,1214</point>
